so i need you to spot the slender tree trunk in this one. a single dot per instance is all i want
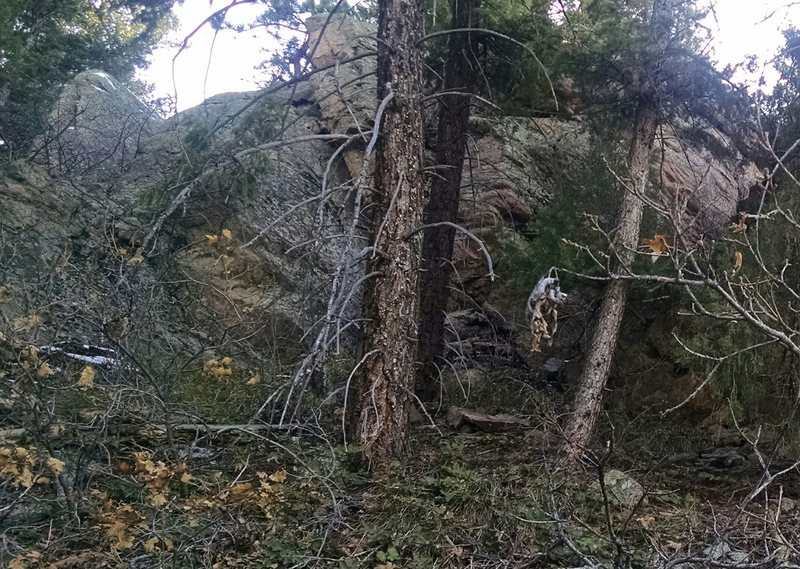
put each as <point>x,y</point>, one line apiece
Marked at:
<point>437,245</point>
<point>377,413</point>
<point>597,365</point>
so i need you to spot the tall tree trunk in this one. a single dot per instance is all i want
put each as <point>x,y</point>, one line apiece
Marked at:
<point>377,415</point>
<point>597,365</point>
<point>437,244</point>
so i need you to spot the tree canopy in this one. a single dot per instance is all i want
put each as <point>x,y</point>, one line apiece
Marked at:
<point>45,42</point>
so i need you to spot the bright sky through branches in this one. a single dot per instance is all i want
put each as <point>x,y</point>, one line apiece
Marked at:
<point>212,63</point>
<point>739,27</point>
<point>742,28</point>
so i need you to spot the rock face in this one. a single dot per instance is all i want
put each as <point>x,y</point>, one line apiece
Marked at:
<point>704,172</point>
<point>258,235</point>
<point>351,88</point>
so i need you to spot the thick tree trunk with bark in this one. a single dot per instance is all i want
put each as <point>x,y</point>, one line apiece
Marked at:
<point>437,245</point>
<point>377,412</point>
<point>597,366</point>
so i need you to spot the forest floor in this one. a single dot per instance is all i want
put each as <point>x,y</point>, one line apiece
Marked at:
<point>241,497</point>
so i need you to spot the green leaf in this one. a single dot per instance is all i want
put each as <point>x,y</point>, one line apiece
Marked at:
<point>392,554</point>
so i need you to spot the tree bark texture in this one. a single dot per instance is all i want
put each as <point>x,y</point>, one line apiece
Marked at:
<point>597,366</point>
<point>377,413</point>
<point>437,244</point>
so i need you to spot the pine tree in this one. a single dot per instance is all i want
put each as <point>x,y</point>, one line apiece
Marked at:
<point>649,71</point>
<point>437,245</point>
<point>383,387</point>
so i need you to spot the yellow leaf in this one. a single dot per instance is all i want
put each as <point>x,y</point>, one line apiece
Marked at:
<point>241,490</point>
<point>646,521</point>
<point>150,544</point>
<point>20,562</point>
<point>86,380</point>
<point>219,368</point>
<point>26,324</point>
<point>136,259</point>
<point>186,477</point>
<point>44,370</point>
<point>279,476</point>
<point>120,534</point>
<point>158,500</point>
<point>226,233</point>
<point>658,245</point>
<point>254,380</point>
<point>56,466</point>
<point>17,464</point>
<point>43,480</point>
<point>737,264</point>
<point>122,250</point>
<point>741,225</point>
<point>30,355</point>
<point>212,239</point>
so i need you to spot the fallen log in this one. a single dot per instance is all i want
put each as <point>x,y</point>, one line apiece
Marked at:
<point>14,435</point>
<point>469,421</point>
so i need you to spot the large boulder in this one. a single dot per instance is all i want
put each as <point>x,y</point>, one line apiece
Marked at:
<point>96,126</point>
<point>281,253</point>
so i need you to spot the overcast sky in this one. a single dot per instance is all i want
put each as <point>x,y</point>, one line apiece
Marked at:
<point>740,28</point>
<point>750,27</point>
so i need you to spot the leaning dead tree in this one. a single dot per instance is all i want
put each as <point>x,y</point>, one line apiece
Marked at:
<point>382,388</point>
